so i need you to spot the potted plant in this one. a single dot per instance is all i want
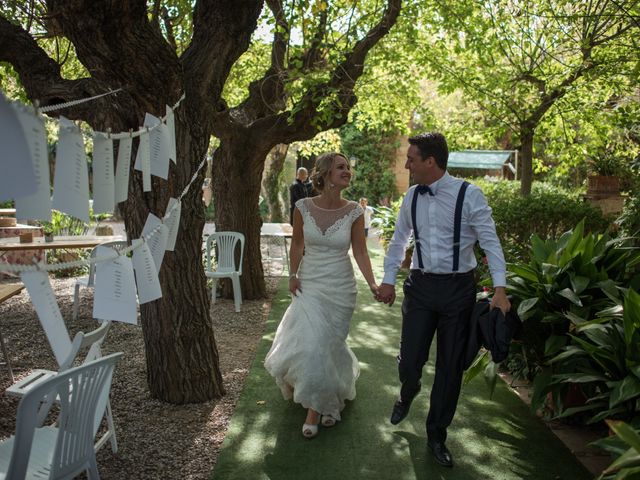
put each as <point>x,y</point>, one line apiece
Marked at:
<point>604,168</point>
<point>47,231</point>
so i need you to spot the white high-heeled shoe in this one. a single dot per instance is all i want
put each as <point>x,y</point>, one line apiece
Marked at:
<point>328,421</point>
<point>310,430</point>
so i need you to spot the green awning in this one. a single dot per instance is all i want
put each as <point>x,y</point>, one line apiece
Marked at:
<point>481,159</point>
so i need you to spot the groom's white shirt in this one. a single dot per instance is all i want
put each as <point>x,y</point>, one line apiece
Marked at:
<point>434,219</point>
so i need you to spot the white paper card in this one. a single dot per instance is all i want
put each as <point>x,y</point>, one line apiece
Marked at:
<point>157,242</point>
<point>171,130</point>
<point>159,138</point>
<point>143,160</point>
<point>71,180</point>
<point>46,306</point>
<point>103,177</point>
<point>114,297</point>
<point>38,205</point>
<point>158,147</point>
<point>172,221</point>
<point>122,169</point>
<point>146,275</point>
<point>15,156</point>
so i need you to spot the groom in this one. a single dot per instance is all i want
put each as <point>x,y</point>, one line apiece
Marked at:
<point>440,291</point>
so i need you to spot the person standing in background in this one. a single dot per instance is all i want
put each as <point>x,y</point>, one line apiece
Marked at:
<point>368,211</point>
<point>301,188</point>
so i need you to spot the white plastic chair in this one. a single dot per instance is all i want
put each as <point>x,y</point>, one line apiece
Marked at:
<point>88,280</point>
<point>93,341</point>
<point>226,243</point>
<point>63,450</point>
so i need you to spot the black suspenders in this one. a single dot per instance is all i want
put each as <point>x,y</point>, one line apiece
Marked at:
<point>457,222</point>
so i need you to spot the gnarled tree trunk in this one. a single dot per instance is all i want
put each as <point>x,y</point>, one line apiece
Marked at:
<point>238,174</point>
<point>120,46</point>
<point>272,182</point>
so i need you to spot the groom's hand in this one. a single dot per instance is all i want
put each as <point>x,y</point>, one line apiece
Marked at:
<point>387,293</point>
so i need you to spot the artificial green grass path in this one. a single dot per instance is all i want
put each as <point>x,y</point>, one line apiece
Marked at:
<point>489,439</point>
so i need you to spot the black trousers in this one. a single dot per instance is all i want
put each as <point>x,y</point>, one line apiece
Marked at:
<point>435,303</point>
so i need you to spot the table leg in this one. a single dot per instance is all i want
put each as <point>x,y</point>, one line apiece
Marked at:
<point>7,360</point>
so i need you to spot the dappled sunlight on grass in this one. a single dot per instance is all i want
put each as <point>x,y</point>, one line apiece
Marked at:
<point>490,438</point>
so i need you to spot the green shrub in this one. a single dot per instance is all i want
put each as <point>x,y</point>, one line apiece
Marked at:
<point>625,446</point>
<point>374,153</point>
<point>385,220</point>
<point>569,297</point>
<point>574,276</point>
<point>629,220</point>
<point>547,212</point>
<point>603,358</point>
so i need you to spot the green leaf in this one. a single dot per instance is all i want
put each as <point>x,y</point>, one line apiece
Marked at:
<point>525,306</point>
<point>490,376</point>
<point>630,458</point>
<point>571,296</point>
<point>631,314</point>
<point>624,390</point>
<point>626,433</point>
<point>584,408</point>
<point>578,378</point>
<point>568,353</point>
<point>477,366</point>
<point>553,344</point>
<point>525,272</point>
<point>541,385</point>
<point>579,283</point>
<point>539,249</point>
<point>606,414</point>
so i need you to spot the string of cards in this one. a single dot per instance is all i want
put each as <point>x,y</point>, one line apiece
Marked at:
<point>117,277</point>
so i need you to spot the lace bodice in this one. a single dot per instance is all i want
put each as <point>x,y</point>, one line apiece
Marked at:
<point>328,227</point>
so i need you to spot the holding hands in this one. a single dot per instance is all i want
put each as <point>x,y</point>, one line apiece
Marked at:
<point>385,293</point>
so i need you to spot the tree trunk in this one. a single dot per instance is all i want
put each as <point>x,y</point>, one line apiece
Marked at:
<point>526,161</point>
<point>181,352</point>
<point>272,182</point>
<point>237,174</point>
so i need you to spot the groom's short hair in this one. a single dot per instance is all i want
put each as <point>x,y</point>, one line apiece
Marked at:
<point>434,145</point>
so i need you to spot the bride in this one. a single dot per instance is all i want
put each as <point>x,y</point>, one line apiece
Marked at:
<point>309,358</point>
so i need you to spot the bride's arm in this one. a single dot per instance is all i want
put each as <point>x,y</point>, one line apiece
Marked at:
<point>296,251</point>
<point>360,253</point>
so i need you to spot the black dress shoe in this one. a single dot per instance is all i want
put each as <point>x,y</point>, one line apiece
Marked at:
<point>400,411</point>
<point>441,453</point>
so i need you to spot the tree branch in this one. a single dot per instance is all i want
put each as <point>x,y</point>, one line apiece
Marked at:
<point>267,95</point>
<point>221,33</point>
<point>39,74</point>
<point>339,89</point>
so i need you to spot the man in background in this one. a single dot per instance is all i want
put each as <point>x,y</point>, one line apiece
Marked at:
<point>301,188</point>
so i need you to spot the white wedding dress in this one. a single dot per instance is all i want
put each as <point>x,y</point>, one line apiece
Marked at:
<point>309,358</point>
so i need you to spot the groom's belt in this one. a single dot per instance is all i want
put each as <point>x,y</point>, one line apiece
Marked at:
<point>422,273</point>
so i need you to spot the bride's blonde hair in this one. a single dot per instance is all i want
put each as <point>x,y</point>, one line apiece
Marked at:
<point>323,165</point>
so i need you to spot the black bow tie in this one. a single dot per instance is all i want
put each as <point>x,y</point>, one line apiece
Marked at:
<point>422,189</point>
